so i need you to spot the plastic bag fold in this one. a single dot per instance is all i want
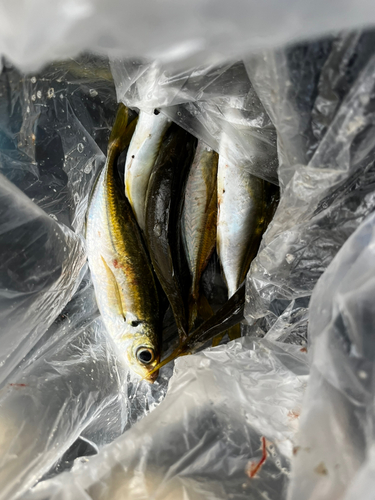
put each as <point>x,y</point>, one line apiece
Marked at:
<point>319,96</point>
<point>334,456</point>
<point>207,437</point>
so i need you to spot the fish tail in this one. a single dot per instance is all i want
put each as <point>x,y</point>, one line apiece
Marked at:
<point>198,307</point>
<point>216,340</point>
<point>193,312</point>
<point>233,333</point>
<point>204,309</point>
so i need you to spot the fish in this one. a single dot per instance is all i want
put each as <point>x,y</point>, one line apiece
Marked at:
<point>142,153</point>
<point>164,200</point>
<point>241,220</point>
<point>121,272</point>
<point>199,219</point>
<point>242,210</point>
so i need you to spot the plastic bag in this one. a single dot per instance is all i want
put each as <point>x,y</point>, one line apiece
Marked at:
<point>335,441</point>
<point>61,375</point>
<point>35,33</point>
<point>216,417</point>
<point>326,144</point>
<point>319,97</point>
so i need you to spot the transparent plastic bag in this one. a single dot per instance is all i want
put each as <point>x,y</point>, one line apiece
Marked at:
<point>41,263</point>
<point>330,127</point>
<point>207,438</point>
<point>63,380</point>
<point>35,33</point>
<point>335,440</point>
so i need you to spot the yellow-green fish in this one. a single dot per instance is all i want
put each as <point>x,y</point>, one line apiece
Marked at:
<point>121,272</point>
<point>199,219</point>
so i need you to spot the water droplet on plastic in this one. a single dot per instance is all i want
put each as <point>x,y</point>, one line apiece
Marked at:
<point>178,113</point>
<point>51,93</point>
<point>33,97</point>
<point>88,168</point>
<point>76,198</point>
<point>53,216</point>
<point>364,98</point>
<point>28,109</point>
<point>80,147</point>
<point>362,374</point>
<point>33,79</point>
<point>289,258</point>
<point>93,92</point>
<point>39,94</point>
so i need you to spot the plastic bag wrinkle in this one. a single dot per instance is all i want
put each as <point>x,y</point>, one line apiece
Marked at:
<point>305,235</point>
<point>212,420</point>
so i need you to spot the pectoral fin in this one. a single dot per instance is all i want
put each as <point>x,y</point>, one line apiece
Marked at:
<point>113,292</point>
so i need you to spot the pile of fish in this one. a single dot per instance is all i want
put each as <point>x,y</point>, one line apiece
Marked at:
<point>154,234</point>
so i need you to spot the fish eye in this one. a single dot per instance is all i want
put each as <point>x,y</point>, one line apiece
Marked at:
<point>145,355</point>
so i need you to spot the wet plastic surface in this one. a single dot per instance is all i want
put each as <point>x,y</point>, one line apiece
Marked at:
<point>326,140</point>
<point>334,460</point>
<point>216,417</point>
<point>65,391</point>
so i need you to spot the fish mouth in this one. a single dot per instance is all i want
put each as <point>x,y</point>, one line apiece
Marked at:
<point>152,377</point>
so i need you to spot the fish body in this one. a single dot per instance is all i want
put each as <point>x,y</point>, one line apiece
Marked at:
<point>163,215</point>
<point>142,153</point>
<point>122,276</point>
<point>241,220</point>
<point>199,218</point>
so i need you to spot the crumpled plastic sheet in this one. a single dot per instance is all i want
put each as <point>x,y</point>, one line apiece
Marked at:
<point>319,96</point>
<point>334,451</point>
<point>72,384</point>
<point>40,269</point>
<point>37,32</point>
<point>183,447</point>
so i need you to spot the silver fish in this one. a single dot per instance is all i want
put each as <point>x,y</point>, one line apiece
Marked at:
<point>241,220</point>
<point>199,221</point>
<point>142,153</point>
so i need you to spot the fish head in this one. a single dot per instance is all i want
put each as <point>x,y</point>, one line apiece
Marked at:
<point>143,353</point>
